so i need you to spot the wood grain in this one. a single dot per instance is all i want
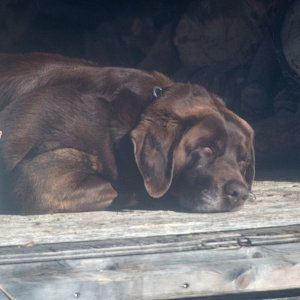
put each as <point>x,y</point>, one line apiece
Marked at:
<point>156,254</point>
<point>277,204</point>
<point>215,271</point>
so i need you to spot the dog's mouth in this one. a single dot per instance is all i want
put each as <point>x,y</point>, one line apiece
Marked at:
<point>210,201</point>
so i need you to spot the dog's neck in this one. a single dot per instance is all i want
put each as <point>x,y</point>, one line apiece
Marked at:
<point>127,108</point>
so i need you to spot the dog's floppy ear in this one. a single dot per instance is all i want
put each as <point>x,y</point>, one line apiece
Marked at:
<point>153,150</point>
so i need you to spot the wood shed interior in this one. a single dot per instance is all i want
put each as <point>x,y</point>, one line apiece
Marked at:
<point>247,52</point>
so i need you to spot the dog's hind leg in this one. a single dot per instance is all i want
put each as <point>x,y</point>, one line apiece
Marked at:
<point>64,180</point>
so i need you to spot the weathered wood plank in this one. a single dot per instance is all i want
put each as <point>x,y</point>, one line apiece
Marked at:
<point>155,254</point>
<point>158,276</point>
<point>149,245</point>
<point>277,205</point>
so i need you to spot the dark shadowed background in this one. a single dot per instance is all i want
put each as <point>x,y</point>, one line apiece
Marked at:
<point>246,51</point>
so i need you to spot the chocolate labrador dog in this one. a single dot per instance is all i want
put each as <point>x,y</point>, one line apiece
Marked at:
<point>78,137</point>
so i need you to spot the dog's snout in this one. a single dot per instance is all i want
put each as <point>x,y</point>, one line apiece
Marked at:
<point>236,192</point>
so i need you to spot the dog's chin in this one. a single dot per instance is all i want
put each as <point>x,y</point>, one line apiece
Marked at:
<point>205,203</point>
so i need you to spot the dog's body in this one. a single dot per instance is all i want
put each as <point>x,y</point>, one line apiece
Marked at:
<point>78,137</point>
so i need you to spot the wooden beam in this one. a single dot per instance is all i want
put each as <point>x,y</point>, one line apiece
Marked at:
<point>169,268</point>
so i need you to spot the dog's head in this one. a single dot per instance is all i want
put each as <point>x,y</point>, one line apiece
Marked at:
<point>189,145</point>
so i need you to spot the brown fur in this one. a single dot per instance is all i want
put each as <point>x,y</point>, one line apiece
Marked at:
<point>78,137</point>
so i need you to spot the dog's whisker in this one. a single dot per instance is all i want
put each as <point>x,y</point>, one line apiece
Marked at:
<point>252,197</point>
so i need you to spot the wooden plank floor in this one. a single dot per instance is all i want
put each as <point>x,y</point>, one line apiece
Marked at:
<point>156,254</point>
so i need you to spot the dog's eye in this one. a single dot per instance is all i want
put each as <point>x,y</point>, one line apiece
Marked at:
<point>207,151</point>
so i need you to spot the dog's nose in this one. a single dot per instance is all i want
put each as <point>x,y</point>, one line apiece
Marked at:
<point>236,192</point>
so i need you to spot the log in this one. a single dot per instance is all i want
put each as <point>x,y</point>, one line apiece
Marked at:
<point>290,41</point>
<point>277,141</point>
<point>258,93</point>
<point>212,31</point>
<point>161,56</point>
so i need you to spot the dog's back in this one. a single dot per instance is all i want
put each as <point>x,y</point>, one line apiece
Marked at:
<point>23,73</point>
